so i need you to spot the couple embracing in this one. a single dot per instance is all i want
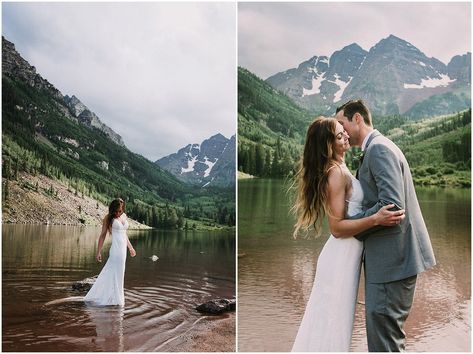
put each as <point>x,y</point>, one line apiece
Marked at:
<point>374,219</point>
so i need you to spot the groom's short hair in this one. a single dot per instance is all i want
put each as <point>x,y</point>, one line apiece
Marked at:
<point>356,106</point>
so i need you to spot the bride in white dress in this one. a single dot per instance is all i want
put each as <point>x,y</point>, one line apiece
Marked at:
<point>108,288</point>
<point>326,186</point>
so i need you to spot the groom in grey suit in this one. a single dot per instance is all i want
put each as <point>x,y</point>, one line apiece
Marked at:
<point>393,256</point>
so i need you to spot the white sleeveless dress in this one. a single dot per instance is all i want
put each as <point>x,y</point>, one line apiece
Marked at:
<point>327,324</point>
<point>108,288</point>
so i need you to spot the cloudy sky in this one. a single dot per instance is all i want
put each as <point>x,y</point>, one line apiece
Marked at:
<point>161,75</point>
<point>274,37</point>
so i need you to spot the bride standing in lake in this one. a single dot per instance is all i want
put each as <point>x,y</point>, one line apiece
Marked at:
<point>326,186</point>
<point>108,288</point>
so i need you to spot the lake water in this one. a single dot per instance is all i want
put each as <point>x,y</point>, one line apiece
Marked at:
<point>275,273</point>
<point>41,262</point>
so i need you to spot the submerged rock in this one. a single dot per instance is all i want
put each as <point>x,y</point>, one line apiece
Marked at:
<point>84,285</point>
<point>217,306</point>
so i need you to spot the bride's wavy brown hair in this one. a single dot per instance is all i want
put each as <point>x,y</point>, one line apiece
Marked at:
<point>311,179</point>
<point>113,209</point>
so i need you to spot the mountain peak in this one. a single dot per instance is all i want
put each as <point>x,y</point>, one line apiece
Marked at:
<point>353,47</point>
<point>211,162</point>
<point>394,40</point>
<point>393,37</point>
<point>217,136</point>
<point>15,66</point>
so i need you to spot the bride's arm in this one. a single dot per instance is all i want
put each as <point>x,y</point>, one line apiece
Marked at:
<point>336,203</point>
<point>130,246</point>
<point>103,233</point>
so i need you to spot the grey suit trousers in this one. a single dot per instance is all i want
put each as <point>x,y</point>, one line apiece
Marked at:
<point>387,308</point>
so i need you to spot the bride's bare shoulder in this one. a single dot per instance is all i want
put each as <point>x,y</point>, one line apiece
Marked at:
<point>338,176</point>
<point>335,171</point>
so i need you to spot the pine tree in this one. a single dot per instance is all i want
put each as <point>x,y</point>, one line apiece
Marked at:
<point>267,164</point>
<point>6,190</point>
<point>259,160</point>
<point>7,171</point>
<point>252,160</point>
<point>275,172</point>
<point>173,219</point>
<point>155,219</point>
<point>16,171</point>
<point>245,163</point>
<point>180,221</point>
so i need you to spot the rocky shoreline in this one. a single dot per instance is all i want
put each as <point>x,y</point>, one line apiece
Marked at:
<point>209,335</point>
<point>243,175</point>
<point>30,202</point>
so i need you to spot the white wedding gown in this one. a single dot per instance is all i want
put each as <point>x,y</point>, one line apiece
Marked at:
<point>327,324</point>
<point>108,288</point>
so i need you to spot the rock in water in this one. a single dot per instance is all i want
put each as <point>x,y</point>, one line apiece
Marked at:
<point>84,285</point>
<point>231,306</point>
<point>217,306</point>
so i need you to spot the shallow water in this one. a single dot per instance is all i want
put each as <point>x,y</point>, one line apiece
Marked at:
<point>41,262</point>
<point>275,273</point>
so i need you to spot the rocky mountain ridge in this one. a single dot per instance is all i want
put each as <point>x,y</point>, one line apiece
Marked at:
<point>14,65</point>
<point>394,77</point>
<point>210,163</point>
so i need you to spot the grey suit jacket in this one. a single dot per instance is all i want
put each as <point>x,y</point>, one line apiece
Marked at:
<point>398,252</point>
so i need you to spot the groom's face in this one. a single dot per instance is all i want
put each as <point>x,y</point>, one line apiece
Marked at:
<point>351,127</point>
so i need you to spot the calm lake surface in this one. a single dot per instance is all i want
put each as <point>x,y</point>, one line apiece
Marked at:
<point>41,262</point>
<point>275,273</point>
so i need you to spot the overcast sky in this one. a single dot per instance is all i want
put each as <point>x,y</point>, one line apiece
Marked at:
<point>161,75</point>
<point>274,37</point>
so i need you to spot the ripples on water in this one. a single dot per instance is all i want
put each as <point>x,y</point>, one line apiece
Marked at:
<point>276,274</point>
<point>159,296</point>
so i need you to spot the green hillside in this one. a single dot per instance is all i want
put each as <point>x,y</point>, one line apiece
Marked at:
<point>441,104</point>
<point>438,149</point>
<point>272,129</point>
<point>39,138</point>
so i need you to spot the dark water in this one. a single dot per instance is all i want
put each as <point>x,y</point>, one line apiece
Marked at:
<point>275,273</point>
<point>41,262</point>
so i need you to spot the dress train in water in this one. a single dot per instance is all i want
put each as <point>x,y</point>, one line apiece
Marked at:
<point>108,288</point>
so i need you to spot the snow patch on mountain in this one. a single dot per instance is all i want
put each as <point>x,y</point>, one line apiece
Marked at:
<point>316,83</point>
<point>210,165</point>
<point>361,64</point>
<point>342,85</point>
<point>190,165</point>
<point>431,82</point>
<point>205,185</point>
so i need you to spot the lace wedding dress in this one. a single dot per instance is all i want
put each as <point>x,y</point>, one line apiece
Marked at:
<point>108,288</point>
<point>327,324</point>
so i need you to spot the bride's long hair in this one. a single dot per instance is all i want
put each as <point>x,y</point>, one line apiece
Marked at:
<point>311,180</point>
<point>113,209</point>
